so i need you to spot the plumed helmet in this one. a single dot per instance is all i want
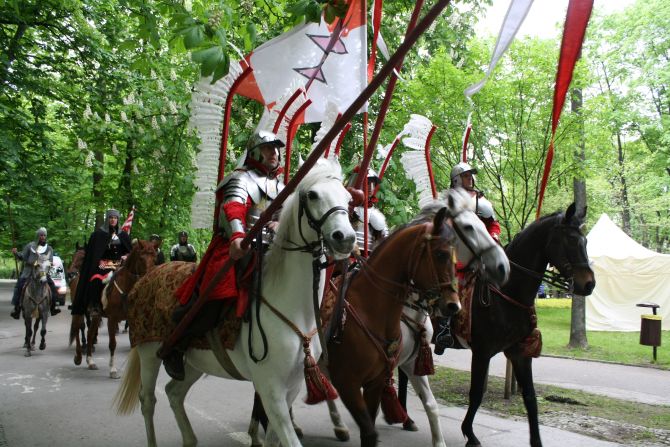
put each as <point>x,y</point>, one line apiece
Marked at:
<point>259,139</point>
<point>40,231</point>
<point>459,169</point>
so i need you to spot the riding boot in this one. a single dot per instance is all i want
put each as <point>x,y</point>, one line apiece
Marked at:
<point>174,360</point>
<point>16,313</point>
<point>443,338</point>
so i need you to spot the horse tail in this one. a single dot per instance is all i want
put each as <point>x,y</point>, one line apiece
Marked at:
<point>77,321</point>
<point>128,395</point>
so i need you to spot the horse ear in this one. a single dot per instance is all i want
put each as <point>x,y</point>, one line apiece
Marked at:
<point>451,201</point>
<point>570,213</point>
<point>438,221</point>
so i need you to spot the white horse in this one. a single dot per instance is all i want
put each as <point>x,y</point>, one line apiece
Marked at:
<point>36,302</point>
<point>316,214</point>
<point>474,248</point>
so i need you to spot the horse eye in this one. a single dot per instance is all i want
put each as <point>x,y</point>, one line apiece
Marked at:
<point>311,195</point>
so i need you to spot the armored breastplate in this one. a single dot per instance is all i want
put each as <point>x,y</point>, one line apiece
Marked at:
<point>113,251</point>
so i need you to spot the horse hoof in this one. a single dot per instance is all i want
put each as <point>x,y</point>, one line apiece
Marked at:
<point>342,434</point>
<point>298,432</point>
<point>92,366</point>
<point>32,347</point>
<point>43,346</point>
<point>409,425</point>
<point>114,375</point>
<point>27,354</point>
<point>77,360</point>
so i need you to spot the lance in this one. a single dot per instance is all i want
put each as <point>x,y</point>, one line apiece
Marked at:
<point>318,151</point>
<point>386,102</point>
<point>11,226</point>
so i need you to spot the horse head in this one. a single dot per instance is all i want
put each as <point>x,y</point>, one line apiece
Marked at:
<point>436,270</point>
<point>41,269</point>
<point>566,249</point>
<point>321,214</point>
<point>475,248</point>
<point>142,258</point>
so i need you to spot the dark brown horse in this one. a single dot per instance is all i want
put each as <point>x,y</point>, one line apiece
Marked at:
<point>418,259</point>
<point>503,320</point>
<point>114,303</point>
<point>72,276</point>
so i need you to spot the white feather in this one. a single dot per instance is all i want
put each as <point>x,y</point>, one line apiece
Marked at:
<point>207,108</point>
<point>330,116</point>
<point>414,160</point>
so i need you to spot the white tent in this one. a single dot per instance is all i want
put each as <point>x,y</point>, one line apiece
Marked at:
<point>626,274</point>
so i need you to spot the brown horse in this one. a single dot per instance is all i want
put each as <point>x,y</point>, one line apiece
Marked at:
<point>114,303</point>
<point>363,354</point>
<point>72,276</point>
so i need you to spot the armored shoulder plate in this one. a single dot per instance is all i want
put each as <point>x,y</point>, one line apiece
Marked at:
<point>376,219</point>
<point>485,208</point>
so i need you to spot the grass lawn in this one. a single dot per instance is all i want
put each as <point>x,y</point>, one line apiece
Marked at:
<point>622,347</point>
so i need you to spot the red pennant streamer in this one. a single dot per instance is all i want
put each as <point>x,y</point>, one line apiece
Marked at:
<point>576,20</point>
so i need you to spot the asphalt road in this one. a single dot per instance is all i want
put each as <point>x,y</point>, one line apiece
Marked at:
<point>48,401</point>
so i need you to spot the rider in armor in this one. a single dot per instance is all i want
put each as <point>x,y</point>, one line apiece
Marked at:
<point>241,197</point>
<point>377,229</point>
<point>183,251</point>
<point>107,247</point>
<point>463,176</point>
<point>31,253</point>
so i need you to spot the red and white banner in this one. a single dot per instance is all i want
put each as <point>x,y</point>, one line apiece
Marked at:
<point>291,59</point>
<point>127,225</point>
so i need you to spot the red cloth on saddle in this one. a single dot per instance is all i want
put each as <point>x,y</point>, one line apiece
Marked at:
<point>215,257</point>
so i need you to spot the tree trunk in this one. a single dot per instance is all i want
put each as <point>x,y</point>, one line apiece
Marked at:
<point>578,313</point>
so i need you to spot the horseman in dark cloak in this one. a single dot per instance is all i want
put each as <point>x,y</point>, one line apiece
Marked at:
<point>104,252</point>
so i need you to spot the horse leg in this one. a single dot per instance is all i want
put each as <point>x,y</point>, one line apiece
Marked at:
<point>176,392</point>
<point>339,427</point>
<point>113,371</point>
<point>35,326</point>
<point>409,424</point>
<point>29,332</point>
<point>92,335</point>
<point>258,418</point>
<point>75,328</point>
<point>273,395</point>
<point>272,435</point>
<point>149,368</point>
<point>422,388</point>
<point>479,369</point>
<point>43,332</point>
<point>523,369</point>
<point>353,399</point>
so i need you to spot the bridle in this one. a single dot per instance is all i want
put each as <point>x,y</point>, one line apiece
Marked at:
<point>477,255</point>
<point>565,261</point>
<point>428,297</point>
<point>317,249</point>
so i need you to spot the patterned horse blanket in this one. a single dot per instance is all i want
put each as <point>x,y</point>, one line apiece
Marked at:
<point>152,301</point>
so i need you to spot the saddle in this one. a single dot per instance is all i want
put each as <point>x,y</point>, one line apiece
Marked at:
<point>108,264</point>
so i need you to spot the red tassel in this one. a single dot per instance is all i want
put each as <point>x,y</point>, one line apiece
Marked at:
<point>394,413</point>
<point>423,365</point>
<point>319,387</point>
<point>532,345</point>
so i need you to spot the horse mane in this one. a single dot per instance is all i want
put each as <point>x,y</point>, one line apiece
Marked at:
<point>288,219</point>
<point>141,250</point>
<point>425,215</point>
<point>540,224</point>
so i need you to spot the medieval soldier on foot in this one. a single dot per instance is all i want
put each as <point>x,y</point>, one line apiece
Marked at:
<point>241,198</point>
<point>31,253</point>
<point>183,251</point>
<point>105,250</point>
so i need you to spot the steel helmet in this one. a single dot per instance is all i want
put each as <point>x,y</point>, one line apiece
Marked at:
<point>459,169</point>
<point>372,177</point>
<point>261,138</point>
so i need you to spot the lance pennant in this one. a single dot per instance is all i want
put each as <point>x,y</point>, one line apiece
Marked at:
<point>322,43</point>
